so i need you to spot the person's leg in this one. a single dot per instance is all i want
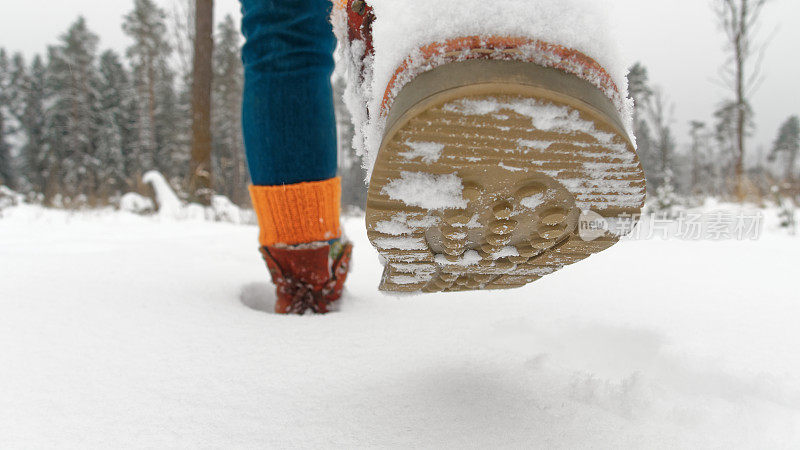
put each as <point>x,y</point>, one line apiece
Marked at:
<point>290,140</point>
<point>288,119</point>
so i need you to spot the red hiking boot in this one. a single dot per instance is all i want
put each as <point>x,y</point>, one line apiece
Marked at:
<point>309,276</point>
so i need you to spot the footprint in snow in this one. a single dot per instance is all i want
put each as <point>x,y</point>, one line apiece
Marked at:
<point>258,297</point>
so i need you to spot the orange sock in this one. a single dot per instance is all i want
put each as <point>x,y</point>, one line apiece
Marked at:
<point>298,213</point>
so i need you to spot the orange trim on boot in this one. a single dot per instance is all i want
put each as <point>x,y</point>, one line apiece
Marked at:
<point>298,213</point>
<point>500,47</point>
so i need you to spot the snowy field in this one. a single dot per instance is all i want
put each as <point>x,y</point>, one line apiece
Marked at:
<point>122,330</point>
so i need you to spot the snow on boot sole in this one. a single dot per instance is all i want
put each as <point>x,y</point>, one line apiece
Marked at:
<point>508,155</point>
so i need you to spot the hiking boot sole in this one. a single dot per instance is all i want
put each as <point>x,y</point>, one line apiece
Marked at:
<point>485,170</point>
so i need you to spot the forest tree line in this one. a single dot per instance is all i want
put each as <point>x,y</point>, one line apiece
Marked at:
<point>715,161</point>
<point>79,126</point>
<point>705,166</point>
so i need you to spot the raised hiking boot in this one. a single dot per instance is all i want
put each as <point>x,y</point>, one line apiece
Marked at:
<point>493,151</point>
<point>308,277</point>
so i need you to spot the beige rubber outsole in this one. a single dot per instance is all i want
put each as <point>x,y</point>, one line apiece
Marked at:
<point>530,148</point>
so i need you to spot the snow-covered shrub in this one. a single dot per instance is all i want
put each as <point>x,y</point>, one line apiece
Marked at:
<point>34,198</point>
<point>168,203</point>
<point>137,204</point>
<point>787,217</point>
<point>224,210</point>
<point>195,211</point>
<point>171,206</point>
<point>9,198</point>
<point>666,202</point>
<point>80,201</point>
<point>786,211</point>
<point>58,201</point>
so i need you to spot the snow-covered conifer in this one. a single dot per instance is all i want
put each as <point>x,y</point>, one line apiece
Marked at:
<point>116,124</point>
<point>641,92</point>
<point>73,125</point>
<point>35,164</point>
<point>153,79</point>
<point>788,144</point>
<point>228,154</point>
<point>7,174</point>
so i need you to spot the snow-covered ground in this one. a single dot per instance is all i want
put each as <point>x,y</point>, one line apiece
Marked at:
<point>122,330</point>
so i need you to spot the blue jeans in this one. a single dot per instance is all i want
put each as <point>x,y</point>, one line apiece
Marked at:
<point>287,111</point>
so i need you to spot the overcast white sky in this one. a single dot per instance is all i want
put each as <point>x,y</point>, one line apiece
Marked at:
<point>677,40</point>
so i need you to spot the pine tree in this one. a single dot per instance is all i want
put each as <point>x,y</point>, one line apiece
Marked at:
<point>116,131</point>
<point>706,166</point>
<point>14,102</point>
<point>788,143</point>
<point>34,154</point>
<point>182,26</point>
<point>172,153</point>
<point>641,93</point>
<point>230,172</point>
<point>153,80</point>
<point>696,132</point>
<point>666,201</point>
<point>6,170</point>
<point>73,115</point>
<point>638,86</point>
<point>17,78</point>
<point>663,144</point>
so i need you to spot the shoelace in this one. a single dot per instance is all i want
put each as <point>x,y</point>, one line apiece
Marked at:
<point>304,297</point>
